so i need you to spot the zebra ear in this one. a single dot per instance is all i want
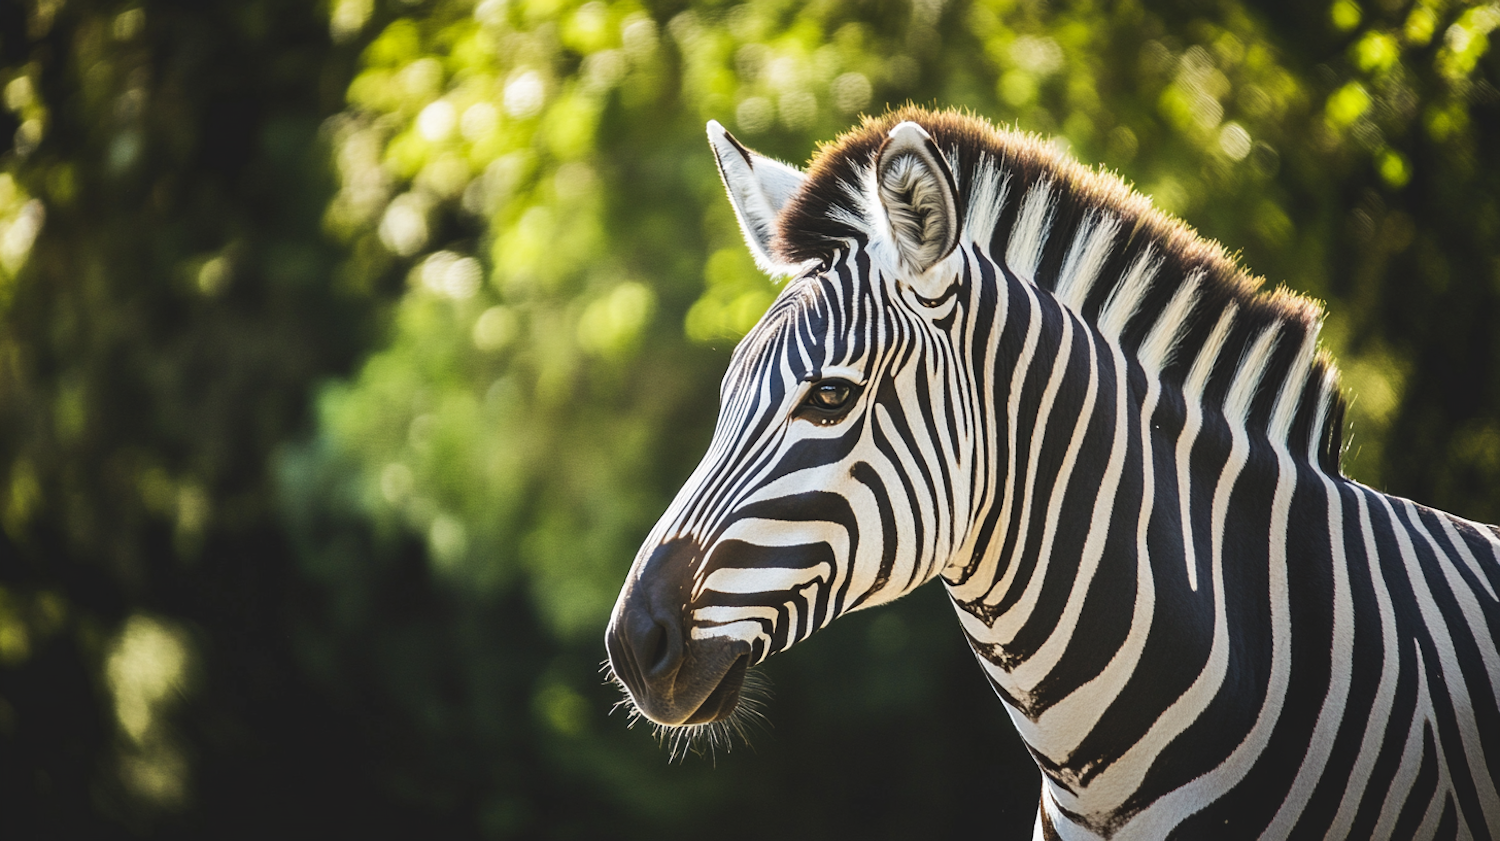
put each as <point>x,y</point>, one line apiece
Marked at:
<point>758,188</point>
<point>920,200</point>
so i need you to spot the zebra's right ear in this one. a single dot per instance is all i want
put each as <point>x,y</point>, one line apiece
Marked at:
<point>758,188</point>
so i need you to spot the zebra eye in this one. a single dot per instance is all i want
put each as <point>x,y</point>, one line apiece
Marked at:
<point>828,401</point>
<point>830,395</point>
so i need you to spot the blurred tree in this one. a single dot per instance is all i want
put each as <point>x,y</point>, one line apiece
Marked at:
<point>165,308</point>
<point>496,226</point>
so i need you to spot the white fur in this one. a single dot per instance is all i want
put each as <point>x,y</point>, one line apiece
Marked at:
<point>987,197</point>
<point>1156,351</point>
<point>1285,412</point>
<point>1024,254</point>
<point>758,189</point>
<point>1125,299</point>
<point>1087,254</point>
<point>1247,379</point>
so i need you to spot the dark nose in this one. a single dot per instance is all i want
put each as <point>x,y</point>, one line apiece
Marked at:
<point>645,637</point>
<point>645,645</point>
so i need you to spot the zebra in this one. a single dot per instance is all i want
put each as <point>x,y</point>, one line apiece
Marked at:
<point>993,365</point>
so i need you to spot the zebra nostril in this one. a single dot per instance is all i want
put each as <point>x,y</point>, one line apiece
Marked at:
<point>656,642</point>
<point>647,639</point>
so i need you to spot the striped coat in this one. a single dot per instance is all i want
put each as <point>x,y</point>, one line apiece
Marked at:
<point>995,367</point>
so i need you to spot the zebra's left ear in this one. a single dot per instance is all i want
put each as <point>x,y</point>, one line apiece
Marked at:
<point>920,199</point>
<point>758,188</point>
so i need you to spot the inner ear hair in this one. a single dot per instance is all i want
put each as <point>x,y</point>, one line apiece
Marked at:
<point>918,194</point>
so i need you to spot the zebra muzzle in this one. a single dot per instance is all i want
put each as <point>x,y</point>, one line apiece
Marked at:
<point>674,681</point>
<point>672,678</point>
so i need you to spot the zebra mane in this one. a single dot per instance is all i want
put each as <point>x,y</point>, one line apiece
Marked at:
<point>1062,225</point>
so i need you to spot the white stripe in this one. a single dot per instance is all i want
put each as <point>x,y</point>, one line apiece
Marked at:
<point>736,580</point>
<point>1468,557</point>
<point>986,200</point>
<point>1209,787</point>
<point>1006,630</point>
<point>1087,254</point>
<point>1331,715</point>
<point>1208,355</point>
<point>1247,379</point>
<point>808,593</point>
<point>983,577</point>
<point>749,630</point>
<point>724,614</point>
<point>1193,396</point>
<point>1489,798</point>
<point>1325,401</point>
<point>1024,253</point>
<point>1125,299</point>
<point>1287,399</point>
<point>1156,352</point>
<point>1411,756</point>
<point>1385,691</point>
<point>1076,716</point>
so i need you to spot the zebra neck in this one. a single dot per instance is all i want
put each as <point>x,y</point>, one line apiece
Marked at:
<point>1076,424</point>
<point>1104,522</point>
<point>1071,395</point>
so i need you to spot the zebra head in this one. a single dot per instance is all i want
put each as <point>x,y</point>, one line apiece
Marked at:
<point>827,487</point>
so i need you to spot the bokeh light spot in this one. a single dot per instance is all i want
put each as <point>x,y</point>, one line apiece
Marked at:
<point>1234,141</point>
<point>525,94</point>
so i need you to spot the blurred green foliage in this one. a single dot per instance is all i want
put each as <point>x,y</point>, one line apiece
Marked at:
<point>347,352</point>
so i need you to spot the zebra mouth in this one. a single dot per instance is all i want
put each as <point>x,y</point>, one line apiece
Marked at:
<point>721,702</point>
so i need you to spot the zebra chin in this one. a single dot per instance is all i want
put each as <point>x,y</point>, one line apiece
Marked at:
<point>700,686</point>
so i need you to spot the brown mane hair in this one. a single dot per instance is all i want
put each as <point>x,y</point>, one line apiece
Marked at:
<point>819,220</point>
